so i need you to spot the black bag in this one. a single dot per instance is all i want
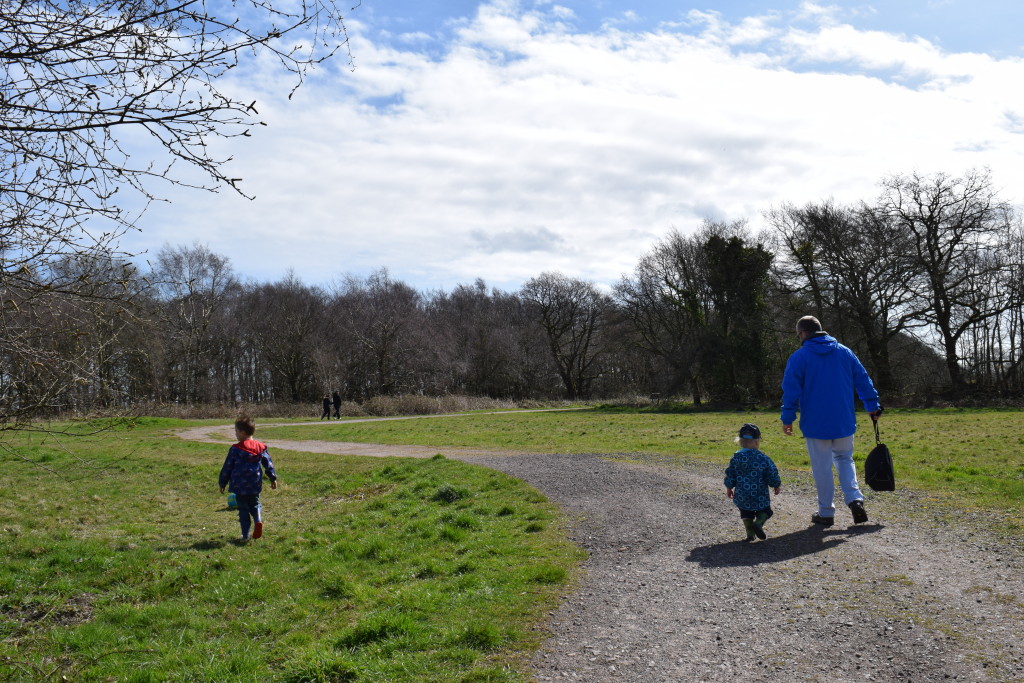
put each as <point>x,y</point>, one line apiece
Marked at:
<point>878,472</point>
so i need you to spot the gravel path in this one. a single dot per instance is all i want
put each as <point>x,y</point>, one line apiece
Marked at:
<point>670,593</point>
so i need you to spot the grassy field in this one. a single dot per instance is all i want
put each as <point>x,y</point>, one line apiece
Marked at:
<point>120,563</point>
<point>973,457</point>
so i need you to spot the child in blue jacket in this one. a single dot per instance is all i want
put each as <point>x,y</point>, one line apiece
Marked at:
<point>747,480</point>
<point>243,470</point>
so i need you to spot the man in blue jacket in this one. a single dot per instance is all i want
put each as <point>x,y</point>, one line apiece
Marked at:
<point>819,383</point>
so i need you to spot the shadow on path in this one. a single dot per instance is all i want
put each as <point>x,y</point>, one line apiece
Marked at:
<point>775,549</point>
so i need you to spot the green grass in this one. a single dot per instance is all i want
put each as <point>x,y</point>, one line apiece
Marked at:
<point>118,558</point>
<point>973,456</point>
<point>120,563</point>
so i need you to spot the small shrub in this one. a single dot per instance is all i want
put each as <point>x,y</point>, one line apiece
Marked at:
<point>319,666</point>
<point>480,637</point>
<point>378,627</point>
<point>427,571</point>
<point>373,548</point>
<point>337,588</point>
<point>462,520</point>
<point>491,674</point>
<point>547,574</point>
<point>449,494</point>
<point>466,521</point>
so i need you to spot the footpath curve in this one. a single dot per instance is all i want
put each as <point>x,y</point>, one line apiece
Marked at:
<point>669,593</point>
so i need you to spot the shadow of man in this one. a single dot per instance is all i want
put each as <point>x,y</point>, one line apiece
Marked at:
<point>777,548</point>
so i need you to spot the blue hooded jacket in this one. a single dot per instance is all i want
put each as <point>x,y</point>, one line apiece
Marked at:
<point>819,383</point>
<point>242,468</point>
<point>750,474</point>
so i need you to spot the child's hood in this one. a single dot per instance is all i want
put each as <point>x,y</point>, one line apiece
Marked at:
<point>253,447</point>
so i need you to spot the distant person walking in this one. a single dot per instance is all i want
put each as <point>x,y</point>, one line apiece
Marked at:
<point>336,400</point>
<point>327,407</point>
<point>819,383</point>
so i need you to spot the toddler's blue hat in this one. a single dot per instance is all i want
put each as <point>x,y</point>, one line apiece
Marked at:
<point>750,431</point>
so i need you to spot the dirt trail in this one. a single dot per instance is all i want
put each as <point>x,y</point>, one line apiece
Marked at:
<point>226,435</point>
<point>670,593</point>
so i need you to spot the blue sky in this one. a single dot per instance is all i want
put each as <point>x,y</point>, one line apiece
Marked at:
<point>504,139</point>
<point>954,25</point>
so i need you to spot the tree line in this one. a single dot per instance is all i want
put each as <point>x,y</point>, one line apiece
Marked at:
<point>925,283</point>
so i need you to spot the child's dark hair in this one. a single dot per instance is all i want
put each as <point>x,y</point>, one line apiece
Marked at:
<point>245,424</point>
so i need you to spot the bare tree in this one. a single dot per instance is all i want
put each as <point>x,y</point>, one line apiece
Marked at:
<point>961,236</point>
<point>1010,336</point>
<point>290,313</point>
<point>81,76</point>
<point>59,337</point>
<point>379,321</point>
<point>483,333</point>
<point>193,285</point>
<point>990,349</point>
<point>857,265</point>
<point>665,299</point>
<point>572,313</point>
<point>698,302</point>
<point>101,101</point>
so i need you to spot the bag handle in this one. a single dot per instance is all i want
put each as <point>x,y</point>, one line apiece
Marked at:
<point>878,439</point>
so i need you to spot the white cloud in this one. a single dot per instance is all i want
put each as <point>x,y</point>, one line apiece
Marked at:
<point>523,240</point>
<point>415,37</point>
<point>562,12</point>
<point>528,148</point>
<point>753,30</point>
<point>819,13</point>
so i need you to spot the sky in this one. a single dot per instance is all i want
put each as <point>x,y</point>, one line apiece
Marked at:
<point>501,140</point>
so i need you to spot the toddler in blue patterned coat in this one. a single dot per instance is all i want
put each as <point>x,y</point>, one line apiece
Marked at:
<point>243,470</point>
<point>747,479</point>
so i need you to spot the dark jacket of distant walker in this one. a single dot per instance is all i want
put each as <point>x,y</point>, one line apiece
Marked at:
<point>243,468</point>
<point>820,379</point>
<point>750,474</point>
